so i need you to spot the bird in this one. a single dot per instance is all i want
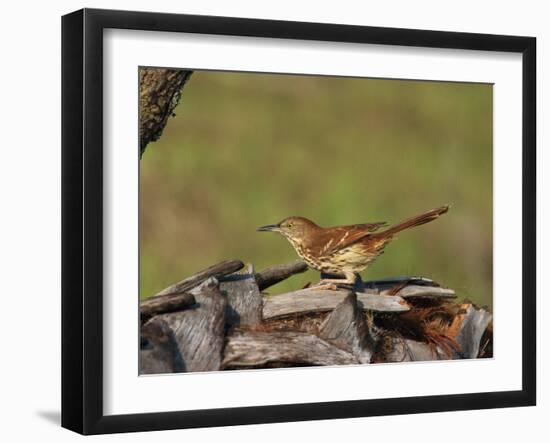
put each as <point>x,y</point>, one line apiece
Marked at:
<point>343,250</point>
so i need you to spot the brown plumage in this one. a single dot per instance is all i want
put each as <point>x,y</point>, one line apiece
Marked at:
<point>343,250</point>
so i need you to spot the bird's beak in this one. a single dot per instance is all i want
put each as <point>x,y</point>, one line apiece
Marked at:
<point>270,228</point>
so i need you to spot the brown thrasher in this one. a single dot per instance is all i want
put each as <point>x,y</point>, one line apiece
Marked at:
<point>343,250</point>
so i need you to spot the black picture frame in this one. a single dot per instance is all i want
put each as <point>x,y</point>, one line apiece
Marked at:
<point>82,218</point>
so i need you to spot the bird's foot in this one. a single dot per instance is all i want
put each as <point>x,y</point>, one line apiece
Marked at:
<point>326,286</point>
<point>332,284</point>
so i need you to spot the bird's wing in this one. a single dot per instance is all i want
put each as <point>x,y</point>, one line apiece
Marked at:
<point>342,236</point>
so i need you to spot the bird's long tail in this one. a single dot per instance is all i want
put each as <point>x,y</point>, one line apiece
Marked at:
<point>421,219</point>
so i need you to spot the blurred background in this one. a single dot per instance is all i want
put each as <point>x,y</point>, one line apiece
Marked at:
<point>246,150</point>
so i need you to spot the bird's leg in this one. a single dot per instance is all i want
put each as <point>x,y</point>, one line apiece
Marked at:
<point>332,283</point>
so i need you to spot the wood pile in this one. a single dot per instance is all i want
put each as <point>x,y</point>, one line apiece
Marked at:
<point>220,319</point>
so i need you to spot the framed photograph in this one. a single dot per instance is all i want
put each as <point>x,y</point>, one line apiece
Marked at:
<point>268,221</point>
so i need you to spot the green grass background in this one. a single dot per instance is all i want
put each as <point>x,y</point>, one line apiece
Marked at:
<point>245,150</point>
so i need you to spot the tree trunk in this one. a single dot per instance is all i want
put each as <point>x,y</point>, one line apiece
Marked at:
<point>159,93</point>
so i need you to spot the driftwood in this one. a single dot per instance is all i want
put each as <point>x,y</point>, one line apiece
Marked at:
<point>385,283</point>
<point>258,349</point>
<point>159,93</point>
<point>178,297</point>
<point>399,349</point>
<point>159,352</point>
<point>218,270</point>
<point>231,325</point>
<point>198,331</point>
<point>275,274</point>
<point>164,303</point>
<point>244,301</point>
<point>346,328</point>
<point>423,292</point>
<point>307,301</point>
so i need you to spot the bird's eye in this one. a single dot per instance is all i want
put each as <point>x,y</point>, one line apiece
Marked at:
<point>289,225</point>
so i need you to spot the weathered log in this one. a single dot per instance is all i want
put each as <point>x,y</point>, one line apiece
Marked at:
<point>244,301</point>
<point>473,323</point>
<point>275,274</point>
<point>389,282</point>
<point>347,329</point>
<point>199,330</point>
<point>257,349</point>
<point>158,352</point>
<point>218,270</point>
<point>399,349</point>
<point>307,301</point>
<point>416,291</point>
<point>163,304</point>
<point>159,93</point>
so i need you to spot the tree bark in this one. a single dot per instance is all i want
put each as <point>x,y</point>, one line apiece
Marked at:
<point>159,94</point>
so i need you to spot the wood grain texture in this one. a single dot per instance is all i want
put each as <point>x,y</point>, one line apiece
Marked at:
<point>199,330</point>
<point>163,304</point>
<point>275,274</point>
<point>217,270</point>
<point>385,283</point>
<point>159,352</point>
<point>244,301</point>
<point>347,329</point>
<point>257,349</point>
<point>399,349</point>
<point>308,301</point>
<point>424,292</point>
